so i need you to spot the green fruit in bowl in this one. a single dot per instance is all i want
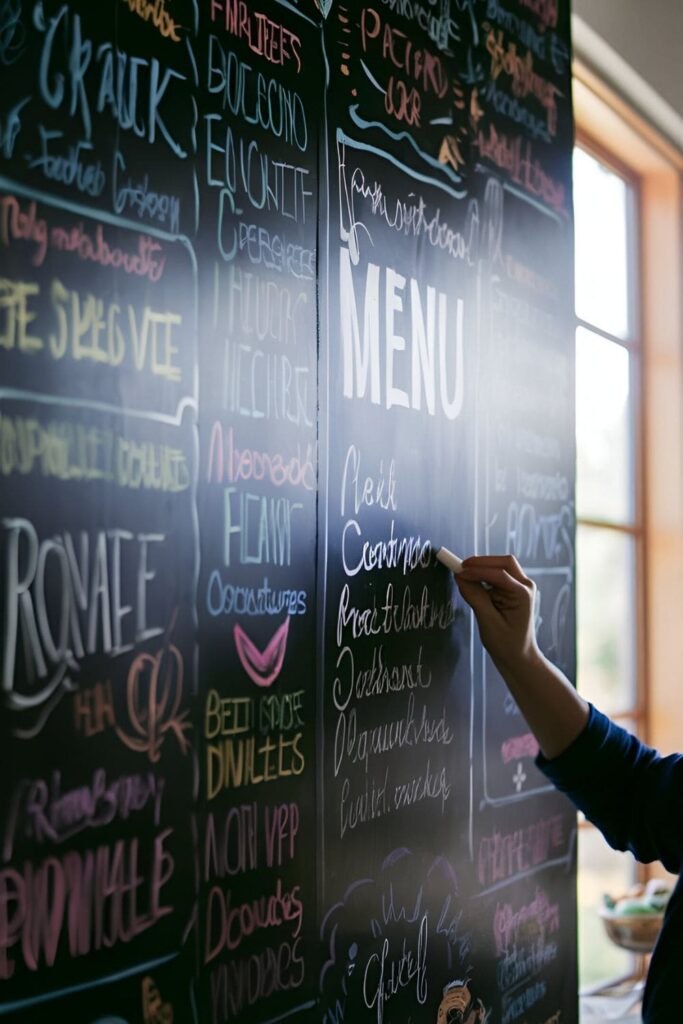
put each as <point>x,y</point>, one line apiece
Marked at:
<point>658,893</point>
<point>640,901</point>
<point>631,907</point>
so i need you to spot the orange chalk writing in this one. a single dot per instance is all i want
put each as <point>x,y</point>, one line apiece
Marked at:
<point>94,709</point>
<point>154,1010</point>
<point>156,13</point>
<point>155,691</point>
<point>267,38</point>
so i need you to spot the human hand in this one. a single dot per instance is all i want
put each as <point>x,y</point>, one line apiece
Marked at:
<point>504,611</point>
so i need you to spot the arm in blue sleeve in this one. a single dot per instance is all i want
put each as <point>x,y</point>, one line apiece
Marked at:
<point>628,790</point>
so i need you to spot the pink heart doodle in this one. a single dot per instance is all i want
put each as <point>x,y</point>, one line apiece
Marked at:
<point>262,667</point>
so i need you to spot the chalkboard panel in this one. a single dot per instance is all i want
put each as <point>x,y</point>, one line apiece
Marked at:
<point>284,305</point>
<point>446,413</point>
<point>257,513</point>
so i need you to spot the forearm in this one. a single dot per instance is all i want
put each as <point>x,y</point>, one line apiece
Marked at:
<point>505,614</point>
<point>553,710</point>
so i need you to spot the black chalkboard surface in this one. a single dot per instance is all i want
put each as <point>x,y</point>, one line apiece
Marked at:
<point>285,297</point>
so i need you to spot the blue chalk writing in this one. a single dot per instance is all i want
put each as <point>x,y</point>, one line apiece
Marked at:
<point>69,169</point>
<point>255,98</point>
<point>12,32</point>
<point>131,88</point>
<point>10,128</point>
<point>141,199</point>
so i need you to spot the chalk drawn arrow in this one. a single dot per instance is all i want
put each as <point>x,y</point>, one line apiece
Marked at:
<point>262,667</point>
<point>325,6</point>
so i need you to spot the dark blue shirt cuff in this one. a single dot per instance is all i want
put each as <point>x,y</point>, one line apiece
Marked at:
<point>577,762</point>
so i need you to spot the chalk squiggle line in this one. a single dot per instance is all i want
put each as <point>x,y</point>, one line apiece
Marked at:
<point>361,123</point>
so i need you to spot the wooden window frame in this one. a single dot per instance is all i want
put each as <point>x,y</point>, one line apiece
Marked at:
<point>654,168</point>
<point>602,114</point>
<point>633,717</point>
<point>634,345</point>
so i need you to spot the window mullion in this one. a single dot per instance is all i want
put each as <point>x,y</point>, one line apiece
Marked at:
<point>635,529</point>
<point>632,343</point>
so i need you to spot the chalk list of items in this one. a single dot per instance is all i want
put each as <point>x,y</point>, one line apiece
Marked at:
<point>283,307</point>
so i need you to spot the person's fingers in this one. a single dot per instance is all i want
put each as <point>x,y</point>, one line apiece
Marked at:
<point>507,562</point>
<point>504,599</point>
<point>496,577</point>
<point>476,597</point>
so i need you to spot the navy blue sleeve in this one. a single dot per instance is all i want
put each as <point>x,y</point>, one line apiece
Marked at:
<point>632,793</point>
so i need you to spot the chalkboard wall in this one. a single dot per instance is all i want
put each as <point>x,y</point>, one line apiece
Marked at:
<point>285,304</point>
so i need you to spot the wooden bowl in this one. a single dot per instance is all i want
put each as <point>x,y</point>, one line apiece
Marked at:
<point>635,932</point>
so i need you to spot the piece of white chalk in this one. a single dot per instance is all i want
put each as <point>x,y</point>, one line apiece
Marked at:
<point>454,563</point>
<point>450,560</point>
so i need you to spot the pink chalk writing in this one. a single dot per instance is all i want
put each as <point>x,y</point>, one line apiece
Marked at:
<point>48,812</point>
<point>262,666</point>
<point>22,224</point>
<point>249,836</point>
<point>227,925</point>
<point>245,981</point>
<point>87,900</point>
<point>228,462</point>
<point>508,924</point>
<point>503,855</point>
<point>518,747</point>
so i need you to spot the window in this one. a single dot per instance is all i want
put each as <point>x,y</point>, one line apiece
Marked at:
<point>629,325</point>
<point>610,532</point>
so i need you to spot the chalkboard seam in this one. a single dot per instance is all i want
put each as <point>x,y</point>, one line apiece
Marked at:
<point>322,496</point>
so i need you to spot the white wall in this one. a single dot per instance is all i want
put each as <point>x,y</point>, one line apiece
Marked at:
<point>637,45</point>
